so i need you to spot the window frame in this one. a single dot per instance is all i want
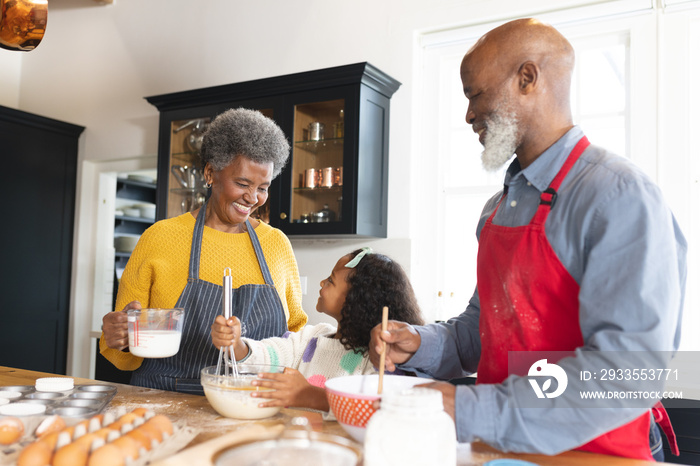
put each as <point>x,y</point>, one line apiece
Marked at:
<point>651,69</point>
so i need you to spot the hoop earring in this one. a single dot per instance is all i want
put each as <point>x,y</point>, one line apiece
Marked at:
<point>207,185</point>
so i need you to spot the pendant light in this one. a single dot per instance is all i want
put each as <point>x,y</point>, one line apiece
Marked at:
<point>22,23</point>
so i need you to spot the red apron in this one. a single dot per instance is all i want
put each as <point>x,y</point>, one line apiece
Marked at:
<point>529,302</point>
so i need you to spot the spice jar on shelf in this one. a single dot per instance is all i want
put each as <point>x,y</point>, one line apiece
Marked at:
<point>327,177</point>
<point>339,126</point>
<point>311,178</point>
<point>316,131</point>
<point>338,176</point>
<point>324,215</point>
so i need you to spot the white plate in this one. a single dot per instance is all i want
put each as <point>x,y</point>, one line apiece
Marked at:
<point>147,210</point>
<point>142,178</point>
<point>22,409</point>
<point>125,243</point>
<point>132,212</point>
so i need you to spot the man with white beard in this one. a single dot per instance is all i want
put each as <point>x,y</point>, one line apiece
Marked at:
<point>500,141</point>
<point>579,257</point>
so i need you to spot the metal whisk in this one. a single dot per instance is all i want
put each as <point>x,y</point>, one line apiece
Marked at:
<point>227,357</point>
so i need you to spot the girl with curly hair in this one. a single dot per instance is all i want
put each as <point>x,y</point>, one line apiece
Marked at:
<point>354,294</point>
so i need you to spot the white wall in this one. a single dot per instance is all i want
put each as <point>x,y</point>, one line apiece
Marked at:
<point>97,62</point>
<point>9,77</point>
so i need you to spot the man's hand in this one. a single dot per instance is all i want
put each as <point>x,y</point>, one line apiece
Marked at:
<point>402,341</point>
<point>448,395</point>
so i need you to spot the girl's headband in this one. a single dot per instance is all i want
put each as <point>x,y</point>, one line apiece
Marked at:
<point>356,260</point>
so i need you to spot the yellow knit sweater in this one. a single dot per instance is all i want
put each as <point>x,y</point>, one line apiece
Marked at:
<point>156,273</point>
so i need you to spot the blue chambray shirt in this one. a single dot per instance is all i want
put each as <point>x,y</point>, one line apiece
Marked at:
<point>615,234</point>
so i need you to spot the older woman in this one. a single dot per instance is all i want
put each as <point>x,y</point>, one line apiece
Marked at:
<point>179,262</point>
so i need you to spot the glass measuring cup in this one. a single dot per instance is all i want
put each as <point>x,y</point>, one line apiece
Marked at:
<point>155,333</point>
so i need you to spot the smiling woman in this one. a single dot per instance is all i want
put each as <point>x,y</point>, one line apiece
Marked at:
<point>239,189</point>
<point>179,262</point>
<point>240,168</point>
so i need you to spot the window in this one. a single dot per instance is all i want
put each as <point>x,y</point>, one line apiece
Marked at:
<point>615,95</point>
<point>600,100</point>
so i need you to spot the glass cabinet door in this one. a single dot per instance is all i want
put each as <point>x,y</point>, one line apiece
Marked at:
<point>186,189</point>
<point>317,162</point>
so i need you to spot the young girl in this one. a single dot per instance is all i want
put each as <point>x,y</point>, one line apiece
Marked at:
<point>359,286</point>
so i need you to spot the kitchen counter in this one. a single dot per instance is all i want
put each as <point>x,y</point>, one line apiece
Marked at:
<point>196,413</point>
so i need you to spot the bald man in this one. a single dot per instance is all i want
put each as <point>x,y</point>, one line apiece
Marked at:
<point>581,263</point>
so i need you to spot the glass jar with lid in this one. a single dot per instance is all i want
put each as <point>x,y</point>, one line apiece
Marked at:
<point>411,428</point>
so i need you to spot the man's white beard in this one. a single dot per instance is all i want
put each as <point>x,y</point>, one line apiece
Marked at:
<point>500,141</point>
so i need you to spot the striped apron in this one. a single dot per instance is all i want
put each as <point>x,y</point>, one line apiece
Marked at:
<point>258,307</point>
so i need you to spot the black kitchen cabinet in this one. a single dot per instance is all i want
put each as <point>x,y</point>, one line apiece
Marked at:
<point>684,415</point>
<point>131,226</point>
<point>337,124</point>
<point>39,156</point>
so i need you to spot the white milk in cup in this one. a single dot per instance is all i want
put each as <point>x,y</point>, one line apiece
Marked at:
<point>155,333</point>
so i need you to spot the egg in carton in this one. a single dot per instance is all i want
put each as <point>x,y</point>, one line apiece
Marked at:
<point>24,407</point>
<point>116,438</point>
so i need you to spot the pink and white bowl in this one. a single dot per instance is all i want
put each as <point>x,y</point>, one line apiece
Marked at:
<point>351,398</point>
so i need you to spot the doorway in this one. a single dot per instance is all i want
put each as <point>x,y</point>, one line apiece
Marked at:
<point>94,271</point>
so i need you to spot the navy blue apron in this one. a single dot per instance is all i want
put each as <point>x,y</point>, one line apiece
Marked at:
<point>257,306</point>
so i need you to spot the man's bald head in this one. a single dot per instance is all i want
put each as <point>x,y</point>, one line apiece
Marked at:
<point>523,70</point>
<point>510,45</point>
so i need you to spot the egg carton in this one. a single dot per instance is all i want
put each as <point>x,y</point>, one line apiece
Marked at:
<point>181,436</point>
<point>79,402</point>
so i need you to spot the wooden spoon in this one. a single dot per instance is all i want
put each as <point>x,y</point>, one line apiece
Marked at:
<point>382,357</point>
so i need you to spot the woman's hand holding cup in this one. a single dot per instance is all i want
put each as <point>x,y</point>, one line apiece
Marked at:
<point>115,327</point>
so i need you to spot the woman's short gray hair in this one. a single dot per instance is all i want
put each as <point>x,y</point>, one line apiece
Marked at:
<point>244,132</point>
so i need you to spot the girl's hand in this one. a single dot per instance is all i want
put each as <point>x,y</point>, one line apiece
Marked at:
<point>225,333</point>
<point>290,388</point>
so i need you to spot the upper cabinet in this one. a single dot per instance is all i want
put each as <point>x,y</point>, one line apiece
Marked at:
<point>337,124</point>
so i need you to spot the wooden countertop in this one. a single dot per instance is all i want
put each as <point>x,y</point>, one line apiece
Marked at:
<point>196,412</point>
